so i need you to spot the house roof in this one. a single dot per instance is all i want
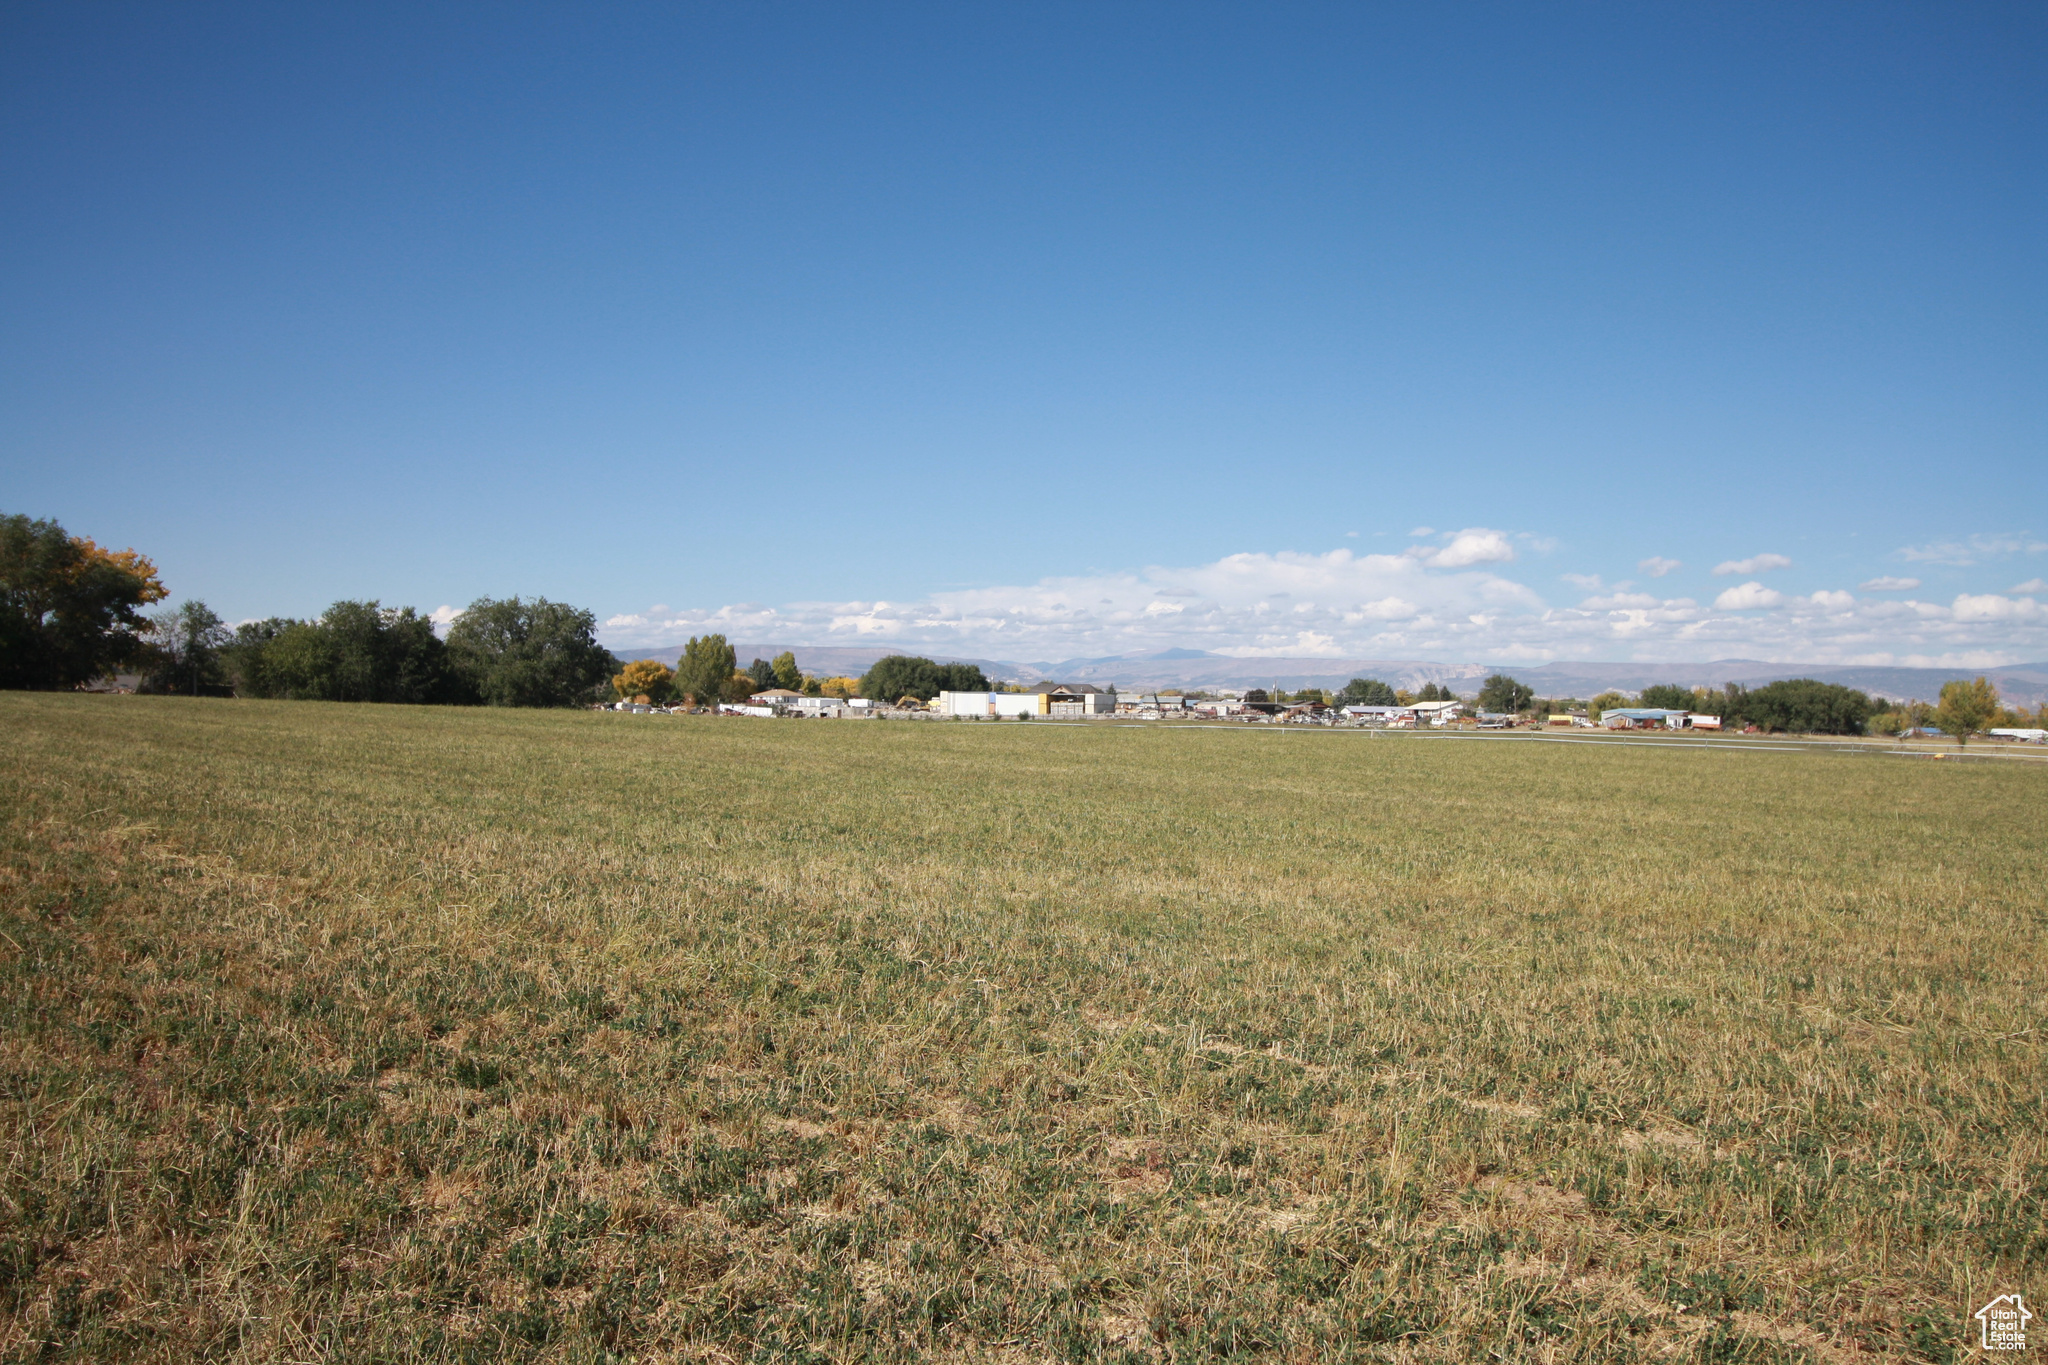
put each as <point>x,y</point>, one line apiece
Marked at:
<point>778,693</point>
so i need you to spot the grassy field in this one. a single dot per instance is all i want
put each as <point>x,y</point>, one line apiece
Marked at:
<point>367,1033</point>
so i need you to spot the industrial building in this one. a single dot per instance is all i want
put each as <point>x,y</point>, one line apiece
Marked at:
<point>1062,701</point>
<point>1655,718</point>
<point>992,705</point>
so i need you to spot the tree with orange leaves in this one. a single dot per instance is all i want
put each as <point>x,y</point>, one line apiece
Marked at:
<point>69,610</point>
<point>644,680</point>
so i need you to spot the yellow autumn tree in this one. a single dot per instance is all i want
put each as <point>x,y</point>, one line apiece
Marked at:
<point>644,678</point>
<point>136,566</point>
<point>839,687</point>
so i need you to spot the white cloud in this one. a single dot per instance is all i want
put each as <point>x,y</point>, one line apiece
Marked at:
<point>1656,566</point>
<point>1473,545</point>
<point>2031,585</point>
<point>1591,582</point>
<point>1974,549</point>
<point>1889,584</point>
<point>1991,606</point>
<point>444,615</point>
<point>1748,596</point>
<point>1421,531</point>
<point>1374,606</point>
<point>1754,564</point>
<point>1305,644</point>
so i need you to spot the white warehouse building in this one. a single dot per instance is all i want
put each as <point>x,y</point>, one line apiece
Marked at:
<point>1063,701</point>
<point>986,704</point>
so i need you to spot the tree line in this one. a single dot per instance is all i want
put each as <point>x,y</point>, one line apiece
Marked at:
<point>72,612</point>
<point>1792,705</point>
<point>708,673</point>
<point>1359,692</point>
<point>1809,706</point>
<point>498,652</point>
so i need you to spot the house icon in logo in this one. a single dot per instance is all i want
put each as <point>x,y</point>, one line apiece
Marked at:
<point>2004,1322</point>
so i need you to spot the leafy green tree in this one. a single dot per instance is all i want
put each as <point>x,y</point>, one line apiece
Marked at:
<point>705,670</point>
<point>537,653</point>
<point>69,610</point>
<point>1502,693</point>
<point>899,675</point>
<point>1432,692</point>
<point>1965,708</point>
<point>355,638</point>
<point>966,678</point>
<point>787,674</point>
<point>1670,697</point>
<point>247,660</point>
<point>420,669</point>
<point>1366,692</point>
<point>761,674</point>
<point>300,663</point>
<point>1804,705</point>
<point>185,645</point>
<point>356,651</point>
<point>1607,701</point>
<point>908,675</point>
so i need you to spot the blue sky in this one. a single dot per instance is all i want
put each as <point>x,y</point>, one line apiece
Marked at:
<point>1478,333</point>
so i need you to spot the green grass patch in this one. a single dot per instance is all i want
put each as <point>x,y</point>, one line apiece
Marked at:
<point>380,1033</point>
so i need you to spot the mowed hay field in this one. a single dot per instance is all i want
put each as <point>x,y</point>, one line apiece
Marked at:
<point>376,1033</point>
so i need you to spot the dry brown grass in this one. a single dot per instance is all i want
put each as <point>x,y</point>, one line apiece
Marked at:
<point>376,1033</point>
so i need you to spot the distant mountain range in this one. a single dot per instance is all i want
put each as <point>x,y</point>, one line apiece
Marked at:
<point>2019,684</point>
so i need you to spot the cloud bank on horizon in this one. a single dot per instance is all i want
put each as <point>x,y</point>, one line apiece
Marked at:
<point>1449,597</point>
